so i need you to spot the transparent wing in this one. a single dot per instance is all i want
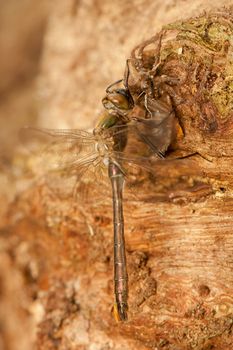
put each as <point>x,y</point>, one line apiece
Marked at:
<point>158,131</point>
<point>58,149</point>
<point>78,182</point>
<point>134,162</point>
<point>142,160</point>
<point>62,158</point>
<point>147,137</point>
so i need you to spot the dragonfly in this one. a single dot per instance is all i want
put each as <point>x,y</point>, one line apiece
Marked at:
<point>124,137</point>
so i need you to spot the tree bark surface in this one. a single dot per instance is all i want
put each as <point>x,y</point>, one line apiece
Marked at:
<point>57,255</point>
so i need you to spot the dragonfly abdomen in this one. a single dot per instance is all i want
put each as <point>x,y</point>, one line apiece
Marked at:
<point>120,269</point>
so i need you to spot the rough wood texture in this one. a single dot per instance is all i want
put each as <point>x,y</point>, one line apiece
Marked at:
<point>178,229</point>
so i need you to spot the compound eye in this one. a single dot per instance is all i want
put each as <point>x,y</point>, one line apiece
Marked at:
<point>116,100</point>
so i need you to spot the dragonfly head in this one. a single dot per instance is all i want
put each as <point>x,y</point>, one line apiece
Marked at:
<point>118,101</point>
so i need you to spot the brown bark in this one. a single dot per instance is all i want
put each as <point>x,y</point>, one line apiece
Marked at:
<point>56,255</point>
